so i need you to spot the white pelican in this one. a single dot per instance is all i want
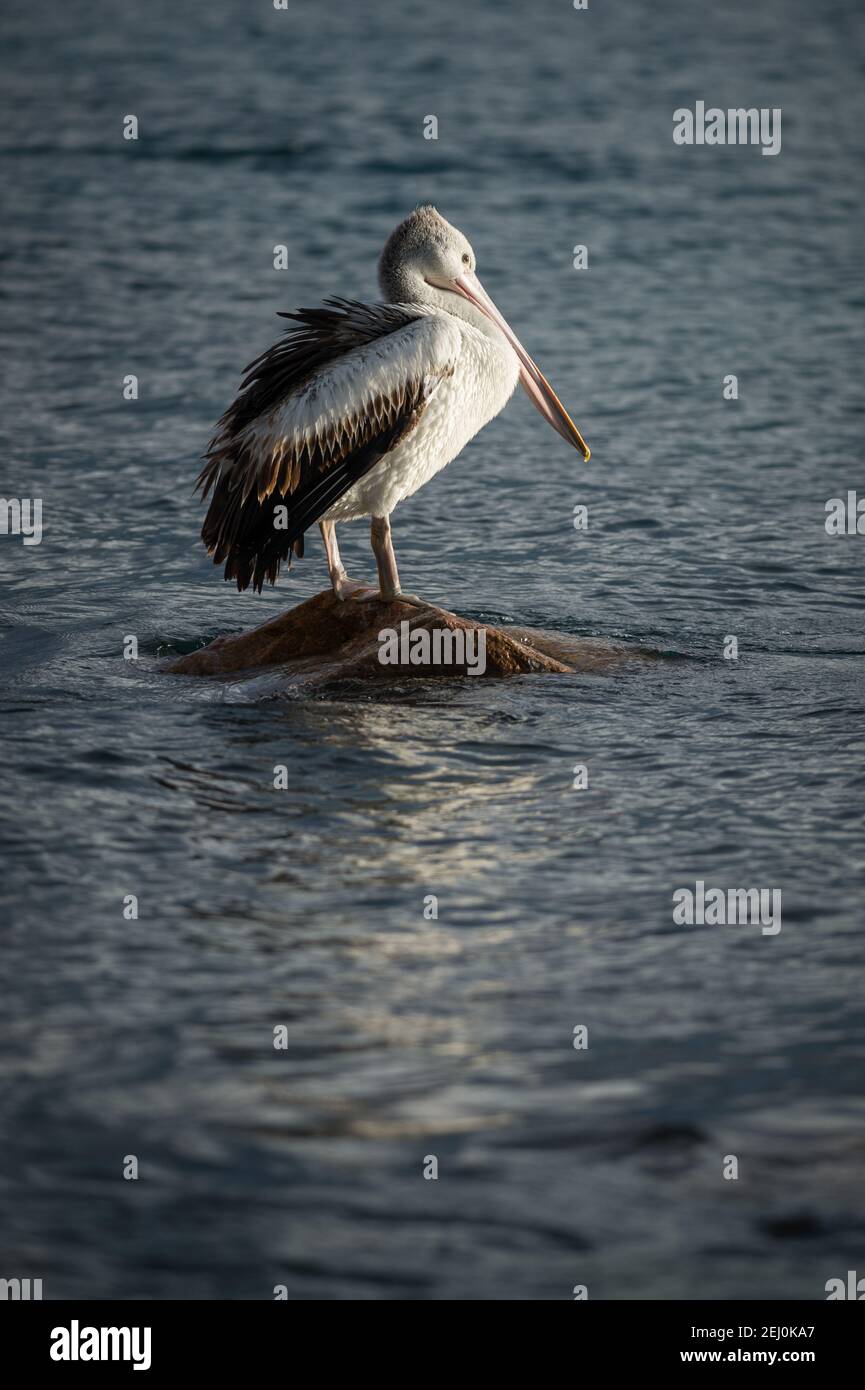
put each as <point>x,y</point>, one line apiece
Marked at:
<point>360,406</point>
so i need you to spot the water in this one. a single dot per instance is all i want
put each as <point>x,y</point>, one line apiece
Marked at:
<point>409,1037</point>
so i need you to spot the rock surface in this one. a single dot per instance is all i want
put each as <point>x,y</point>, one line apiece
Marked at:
<point>324,639</point>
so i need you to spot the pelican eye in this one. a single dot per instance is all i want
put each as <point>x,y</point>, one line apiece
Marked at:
<point>466,258</point>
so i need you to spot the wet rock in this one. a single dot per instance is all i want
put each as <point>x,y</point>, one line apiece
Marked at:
<point>324,639</point>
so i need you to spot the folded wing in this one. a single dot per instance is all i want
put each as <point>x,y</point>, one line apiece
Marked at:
<point>315,413</point>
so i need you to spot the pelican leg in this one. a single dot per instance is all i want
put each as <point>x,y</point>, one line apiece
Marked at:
<point>343,587</point>
<point>388,574</point>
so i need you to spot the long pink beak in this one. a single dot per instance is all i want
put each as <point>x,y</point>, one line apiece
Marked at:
<point>538,389</point>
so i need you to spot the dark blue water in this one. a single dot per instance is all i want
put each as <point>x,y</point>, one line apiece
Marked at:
<point>409,1037</point>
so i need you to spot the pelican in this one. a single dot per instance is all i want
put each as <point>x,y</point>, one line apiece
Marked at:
<point>361,405</point>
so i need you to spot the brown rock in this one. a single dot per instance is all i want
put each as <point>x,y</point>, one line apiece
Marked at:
<point>324,639</point>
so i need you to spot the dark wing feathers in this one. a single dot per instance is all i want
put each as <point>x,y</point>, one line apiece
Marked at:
<point>254,473</point>
<point>325,335</point>
<point>243,532</point>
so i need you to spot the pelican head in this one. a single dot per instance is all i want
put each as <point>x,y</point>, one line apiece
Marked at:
<point>427,261</point>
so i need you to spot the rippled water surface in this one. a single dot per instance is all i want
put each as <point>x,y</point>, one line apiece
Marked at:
<point>409,1037</point>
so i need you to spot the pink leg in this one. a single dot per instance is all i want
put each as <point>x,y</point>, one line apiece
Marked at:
<point>343,587</point>
<point>388,574</point>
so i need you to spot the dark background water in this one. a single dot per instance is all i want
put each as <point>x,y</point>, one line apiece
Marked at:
<point>409,1037</point>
